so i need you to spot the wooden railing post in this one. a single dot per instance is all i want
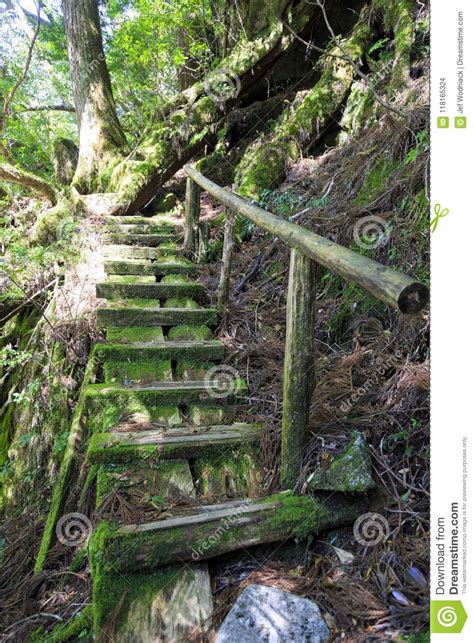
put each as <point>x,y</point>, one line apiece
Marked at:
<point>223,290</point>
<point>192,207</point>
<point>298,383</point>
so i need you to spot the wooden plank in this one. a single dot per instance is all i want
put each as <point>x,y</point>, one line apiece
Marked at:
<point>390,286</point>
<point>205,534</point>
<point>134,316</point>
<point>207,350</point>
<point>298,376</point>
<point>149,240</point>
<point>147,267</point>
<point>173,443</point>
<point>108,290</point>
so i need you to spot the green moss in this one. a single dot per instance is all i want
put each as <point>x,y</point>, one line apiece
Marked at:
<point>176,279</point>
<point>135,302</point>
<point>180,303</point>
<point>130,279</point>
<point>185,332</point>
<point>299,515</point>
<point>230,475</point>
<point>135,334</point>
<point>78,628</point>
<point>137,372</point>
<point>348,471</point>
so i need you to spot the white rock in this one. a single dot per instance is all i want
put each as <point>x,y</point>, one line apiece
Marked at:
<point>267,615</point>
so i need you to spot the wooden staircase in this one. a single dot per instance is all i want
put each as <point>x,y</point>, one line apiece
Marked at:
<point>177,474</point>
<point>161,435</point>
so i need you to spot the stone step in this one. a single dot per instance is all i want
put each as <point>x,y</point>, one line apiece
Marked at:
<point>149,240</point>
<point>160,291</point>
<point>159,267</point>
<point>155,316</point>
<point>190,533</point>
<point>119,252</point>
<point>212,350</point>
<point>172,443</point>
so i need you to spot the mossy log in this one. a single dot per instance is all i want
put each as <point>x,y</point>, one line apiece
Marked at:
<point>207,531</point>
<point>136,316</point>
<point>66,470</point>
<point>263,164</point>
<point>298,376</point>
<point>189,120</point>
<point>394,288</point>
<point>157,268</point>
<point>159,291</point>
<point>212,350</point>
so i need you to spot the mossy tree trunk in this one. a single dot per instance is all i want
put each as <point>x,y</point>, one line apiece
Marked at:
<point>263,165</point>
<point>102,140</point>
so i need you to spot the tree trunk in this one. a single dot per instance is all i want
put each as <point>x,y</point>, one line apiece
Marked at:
<point>102,141</point>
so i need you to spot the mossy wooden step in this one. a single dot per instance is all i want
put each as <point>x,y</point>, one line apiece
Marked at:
<point>155,316</point>
<point>166,480</point>
<point>149,240</point>
<point>173,604</point>
<point>239,523</point>
<point>118,252</point>
<point>212,350</point>
<point>99,396</point>
<point>159,267</point>
<point>160,291</point>
<point>178,442</point>
<point>235,474</point>
<point>131,279</point>
<point>145,335</point>
<point>139,228</point>
<point>126,371</point>
<point>137,218</point>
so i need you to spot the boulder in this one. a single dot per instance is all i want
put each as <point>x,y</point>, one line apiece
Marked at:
<point>268,615</point>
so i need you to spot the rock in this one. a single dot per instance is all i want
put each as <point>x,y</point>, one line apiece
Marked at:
<point>349,470</point>
<point>267,615</point>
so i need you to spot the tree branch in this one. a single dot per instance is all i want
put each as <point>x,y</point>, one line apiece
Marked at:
<point>47,108</point>
<point>22,76</point>
<point>15,175</point>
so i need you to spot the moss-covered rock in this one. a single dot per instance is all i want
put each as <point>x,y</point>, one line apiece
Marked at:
<point>349,470</point>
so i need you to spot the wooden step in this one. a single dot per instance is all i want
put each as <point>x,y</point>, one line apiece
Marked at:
<point>155,316</point>
<point>162,266</point>
<point>139,228</point>
<point>190,534</point>
<point>172,443</point>
<point>118,252</point>
<point>137,218</point>
<point>160,291</point>
<point>174,604</point>
<point>162,393</point>
<point>149,240</point>
<point>205,350</point>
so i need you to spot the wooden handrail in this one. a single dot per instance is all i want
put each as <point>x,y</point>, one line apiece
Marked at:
<point>390,286</point>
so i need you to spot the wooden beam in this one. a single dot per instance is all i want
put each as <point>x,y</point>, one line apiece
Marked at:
<point>223,290</point>
<point>191,217</point>
<point>199,533</point>
<point>394,288</point>
<point>298,380</point>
